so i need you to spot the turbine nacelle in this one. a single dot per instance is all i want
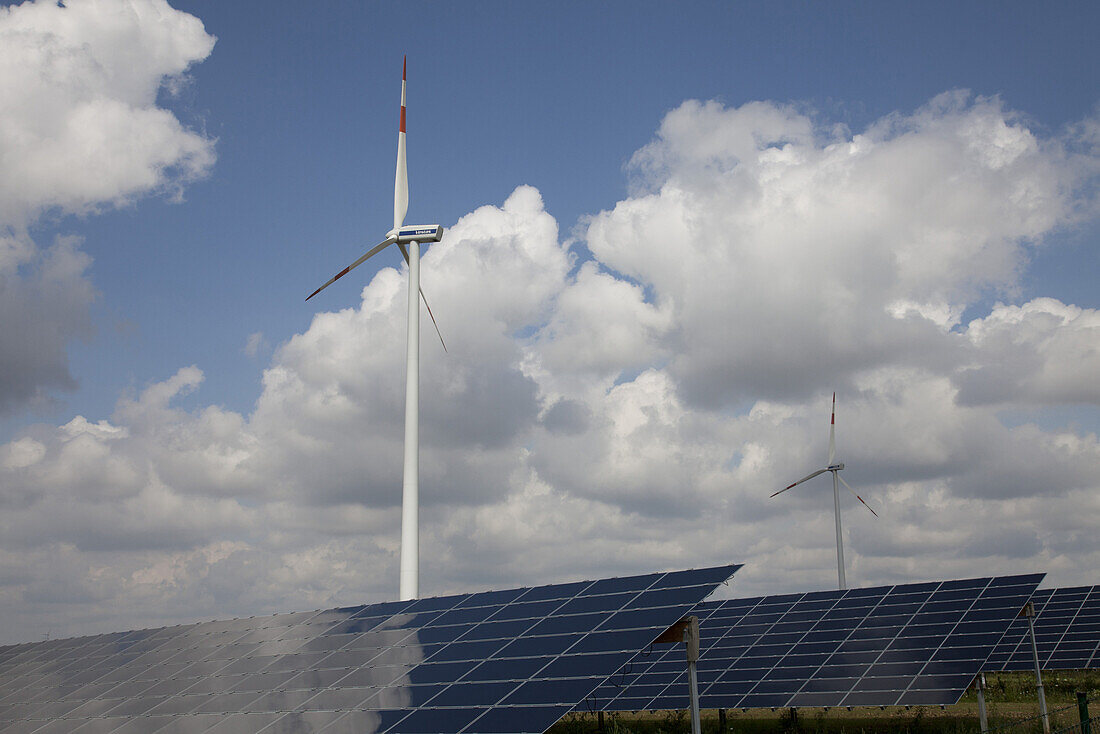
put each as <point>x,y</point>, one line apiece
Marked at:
<point>416,233</point>
<point>835,467</point>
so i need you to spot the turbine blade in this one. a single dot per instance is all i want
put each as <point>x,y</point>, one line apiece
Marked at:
<point>373,251</point>
<point>401,178</point>
<point>854,492</point>
<point>800,481</point>
<point>832,433</point>
<point>405,253</point>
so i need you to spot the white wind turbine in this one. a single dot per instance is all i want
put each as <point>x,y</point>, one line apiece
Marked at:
<point>835,469</point>
<point>408,239</point>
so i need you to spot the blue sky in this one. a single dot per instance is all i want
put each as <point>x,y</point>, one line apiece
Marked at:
<point>298,105</point>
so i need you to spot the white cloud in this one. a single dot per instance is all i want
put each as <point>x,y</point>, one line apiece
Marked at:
<point>80,130</point>
<point>600,327</point>
<point>760,223</point>
<point>22,453</point>
<point>255,344</point>
<point>1043,351</point>
<point>78,88</point>
<point>631,413</point>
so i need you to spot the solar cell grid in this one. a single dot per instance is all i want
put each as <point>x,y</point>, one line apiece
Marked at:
<point>856,647</point>
<point>512,660</point>
<point>1067,632</point>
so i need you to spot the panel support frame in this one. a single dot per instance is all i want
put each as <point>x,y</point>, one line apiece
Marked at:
<point>983,718</point>
<point>1029,612</point>
<point>687,631</point>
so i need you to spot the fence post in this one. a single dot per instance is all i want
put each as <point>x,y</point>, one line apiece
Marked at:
<point>1083,711</point>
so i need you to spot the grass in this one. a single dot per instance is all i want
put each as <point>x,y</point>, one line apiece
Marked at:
<point>1011,703</point>
<point>1058,686</point>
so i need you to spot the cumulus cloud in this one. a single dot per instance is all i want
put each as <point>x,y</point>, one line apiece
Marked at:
<point>80,130</point>
<point>860,247</point>
<point>1043,351</point>
<point>78,89</point>
<point>629,412</point>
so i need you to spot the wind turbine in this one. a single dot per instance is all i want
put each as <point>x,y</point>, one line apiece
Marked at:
<point>835,469</point>
<point>408,239</point>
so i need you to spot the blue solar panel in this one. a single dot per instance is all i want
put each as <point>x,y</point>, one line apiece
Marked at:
<point>1067,633</point>
<point>498,661</point>
<point>910,644</point>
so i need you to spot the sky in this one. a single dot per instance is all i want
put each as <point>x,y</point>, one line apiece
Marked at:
<point>673,231</point>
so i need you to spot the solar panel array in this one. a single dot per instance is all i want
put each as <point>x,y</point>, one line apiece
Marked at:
<point>499,661</point>
<point>1067,633</point>
<point>911,644</point>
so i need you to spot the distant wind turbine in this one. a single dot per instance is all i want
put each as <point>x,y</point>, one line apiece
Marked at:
<point>408,239</point>
<point>835,469</point>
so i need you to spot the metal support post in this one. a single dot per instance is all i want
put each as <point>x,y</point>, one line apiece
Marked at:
<point>983,719</point>
<point>1029,612</point>
<point>691,642</point>
<point>687,631</point>
<point>1083,711</point>
<point>722,720</point>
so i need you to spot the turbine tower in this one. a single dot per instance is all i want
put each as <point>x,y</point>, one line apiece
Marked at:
<point>837,479</point>
<point>408,239</point>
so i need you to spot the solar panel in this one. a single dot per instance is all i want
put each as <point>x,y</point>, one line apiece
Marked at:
<point>497,661</point>
<point>910,644</point>
<point>1067,633</point>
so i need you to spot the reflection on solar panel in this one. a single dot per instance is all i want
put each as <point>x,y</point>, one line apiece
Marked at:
<point>1067,633</point>
<point>498,661</point>
<point>911,644</point>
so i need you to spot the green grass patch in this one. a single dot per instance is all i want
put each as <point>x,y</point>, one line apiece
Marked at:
<point>1058,686</point>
